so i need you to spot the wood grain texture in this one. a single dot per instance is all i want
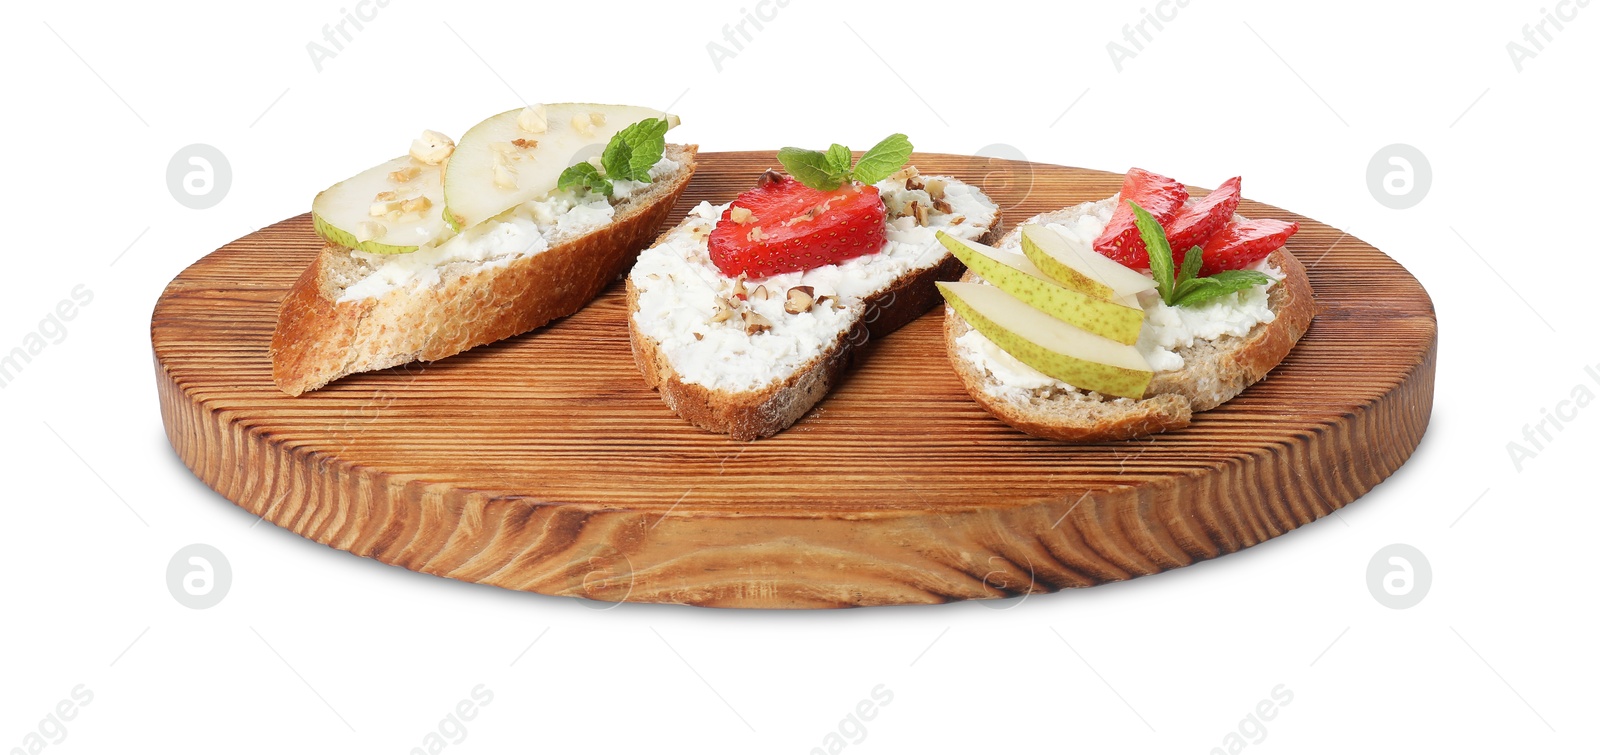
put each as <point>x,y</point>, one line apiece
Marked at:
<point>543,462</point>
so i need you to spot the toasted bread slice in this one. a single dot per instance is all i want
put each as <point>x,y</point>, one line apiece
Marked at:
<point>730,377</point>
<point>1213,371</point>
<point>321,338</point>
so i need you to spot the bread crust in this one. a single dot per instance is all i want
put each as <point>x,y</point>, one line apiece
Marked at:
<point>762,413</point>
<point>1212,374</point>
<point>319,339</point>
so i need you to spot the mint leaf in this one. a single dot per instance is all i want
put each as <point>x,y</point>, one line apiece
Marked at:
<point>1201,290</point>
<point>883,159</point>
<point>1191,266</point>
<point>1155,241</point>
<point>583,176</point>
<point>839,159</point>
<point>811,168</point>
<point>634,150</point>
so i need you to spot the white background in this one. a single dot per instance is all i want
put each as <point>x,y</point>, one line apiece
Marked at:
<point>316,650</point>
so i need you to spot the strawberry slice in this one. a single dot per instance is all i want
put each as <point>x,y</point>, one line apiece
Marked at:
<point>1200,221</point>
<point>1162,197</point>
<point>784,226</point>
<point>1242,244</point>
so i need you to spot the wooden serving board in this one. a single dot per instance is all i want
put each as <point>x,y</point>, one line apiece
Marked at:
<point>543,463</point>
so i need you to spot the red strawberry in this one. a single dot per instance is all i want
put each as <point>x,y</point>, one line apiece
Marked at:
<point>1242,244</point>
<point>1162,197</point>
<point>1200,221</point>
<point>792,227</point>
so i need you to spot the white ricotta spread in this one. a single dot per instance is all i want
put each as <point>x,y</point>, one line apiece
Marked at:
<point>522,231</point>
<point>678,290</point>
<point>1166,329</point>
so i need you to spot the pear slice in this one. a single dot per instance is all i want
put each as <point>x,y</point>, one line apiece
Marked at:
<point>519,155</point>
<point>1103,318</point>
<point>1073,356</point>
<point>1078,266</point>
<point>378,210</point>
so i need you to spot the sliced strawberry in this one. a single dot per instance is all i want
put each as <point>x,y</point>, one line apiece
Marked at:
<point>1162,197</point>
<point>1242,244</point>
<point>1200,221</point>
<point>792,227</point>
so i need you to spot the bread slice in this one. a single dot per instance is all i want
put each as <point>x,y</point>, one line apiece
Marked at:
<point>320,338</point>
<point>1212,372</point>
<point>759,388</point>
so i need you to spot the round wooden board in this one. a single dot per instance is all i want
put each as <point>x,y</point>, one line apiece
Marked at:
<point>543,463</point>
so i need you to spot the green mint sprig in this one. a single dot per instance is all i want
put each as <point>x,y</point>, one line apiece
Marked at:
<point>1185,287</point>
<point>826,171</point>
<point>628,156</point>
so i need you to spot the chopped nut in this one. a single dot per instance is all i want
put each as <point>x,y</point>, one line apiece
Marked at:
<point>800,299</point>
<point>369,230</point>
<point>738,287</point>
<point>755,234</point>
<point>524,143</point>
<point>958,220</point>
<point>406,174</point>
<point>935,188</point>
<point>723,311</point>
<point>917,211</point>
<point>532,119</point>
<point>504,176</point>
<point>905,174</point>
<point>943,206</point>
<point>699,336</point>
<point>760,294</point>
<point>585,123</point>
<point>914,183</point>
<point>420,204</point>
<point>740,215</point>
<point>386,196</point>
<point>755,323</point>
<point>432,147</point>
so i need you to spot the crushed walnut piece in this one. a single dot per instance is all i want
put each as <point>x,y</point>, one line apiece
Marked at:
<point>799,300</point>
<point>939,205</point>
<point>755,322</point>
<point>740,215</point>
<point>738,287</point>
<point>432,147</point>
<point>915,183</point>
<point>905,174</point>
<point>723,310</point>
<point>935,188</point>
<point>525,143</point>
<point>760,294</point>
<point>405,175</point>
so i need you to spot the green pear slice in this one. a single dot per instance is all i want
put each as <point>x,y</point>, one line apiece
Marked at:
<point>500,163</point>
<point>348,213</point>
<point>1098,316</point>
<point>1066,353</point>
<point>1078,266</point>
